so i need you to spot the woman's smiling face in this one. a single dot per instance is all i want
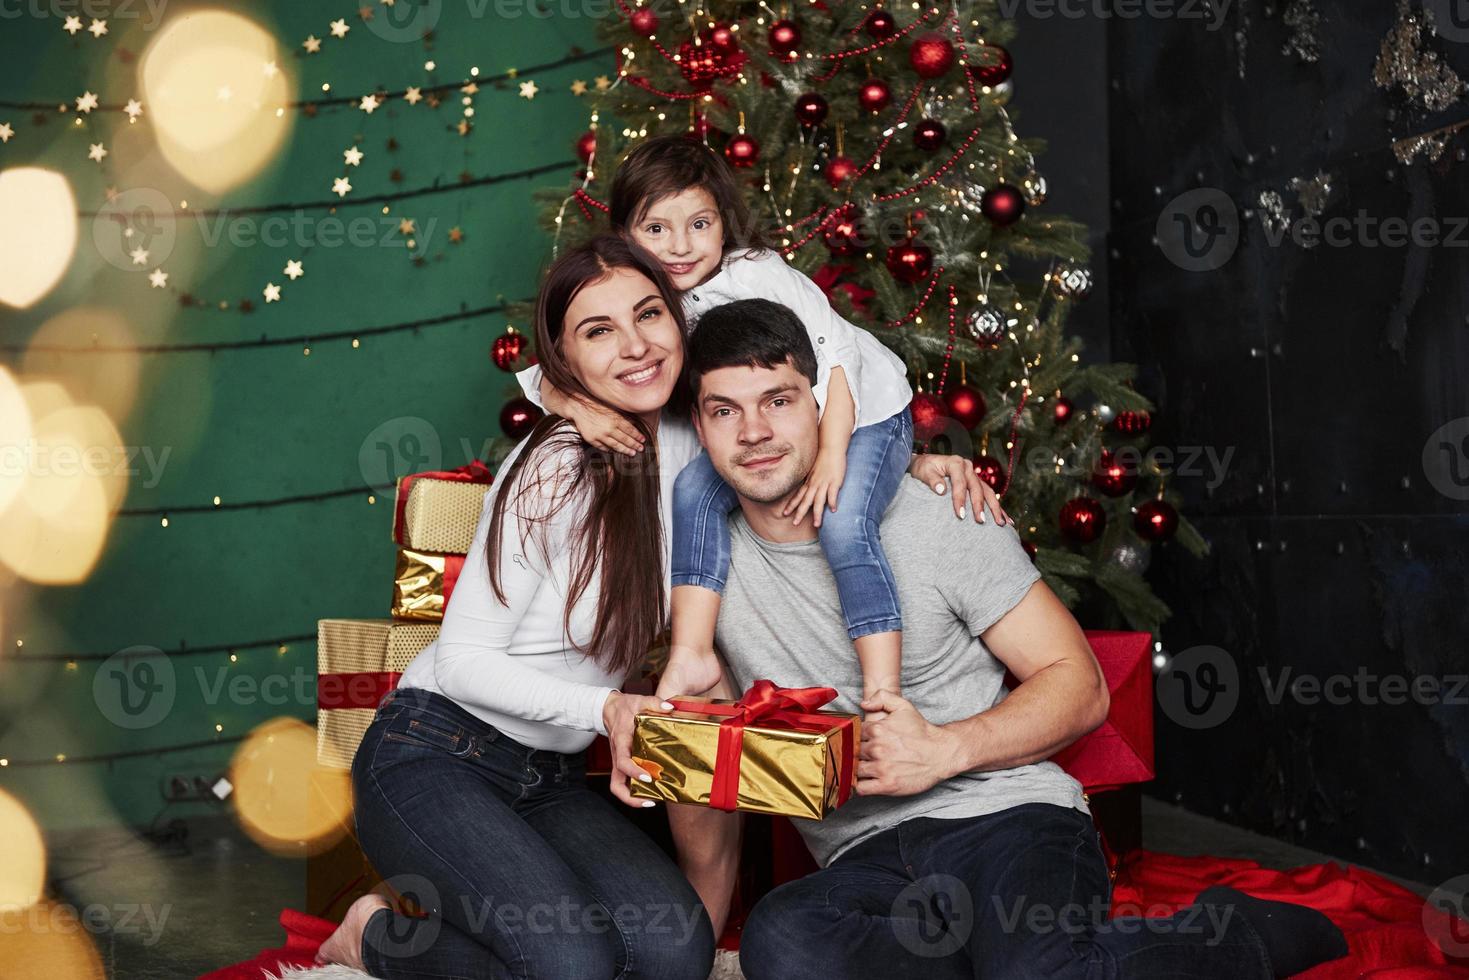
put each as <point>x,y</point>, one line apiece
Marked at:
<point>620,339</point>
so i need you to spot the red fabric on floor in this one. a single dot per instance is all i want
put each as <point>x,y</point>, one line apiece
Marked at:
<point>1383,922</point>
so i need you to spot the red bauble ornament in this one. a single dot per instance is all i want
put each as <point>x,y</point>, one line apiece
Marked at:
<point>990,470</point>
<point>994,67</point>
<point>644,21</point>
<point>965,404</point>
<point>1155,520</point>
<point>1112,477</point>
<point>1003,204</point>
<point>838,170</point>
<point>518,417</point>
<point>1029,549</point>
<point>880,25</point>
<point>723,39</point>
<point>811,108</point>
<point>586,145</point>
<point>506,350</point>
<point>742,151</point>
<point>1132,423</point>
<point>909,261</point>
<point>929,416</point>
<point>874,95</point>
<point>843,236</point>
<point>702,64</point>
<point>1063,409</point>
<point>1082,519</point>
<point>929,135</point>
<point>931,56</point>
<point>785,36</point>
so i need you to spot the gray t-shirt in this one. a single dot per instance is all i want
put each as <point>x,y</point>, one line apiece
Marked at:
<point>781,619</point>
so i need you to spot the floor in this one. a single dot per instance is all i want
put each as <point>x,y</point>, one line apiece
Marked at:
<point>191,903</point>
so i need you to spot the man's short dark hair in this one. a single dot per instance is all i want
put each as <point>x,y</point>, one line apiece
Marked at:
<point>748,333</point>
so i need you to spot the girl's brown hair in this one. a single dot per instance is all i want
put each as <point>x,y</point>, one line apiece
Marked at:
<point>661,166</point>
<point>619,501</point>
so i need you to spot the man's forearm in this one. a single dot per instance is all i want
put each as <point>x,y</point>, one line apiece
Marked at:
<point>1052,709</point>
<point>708,843</point>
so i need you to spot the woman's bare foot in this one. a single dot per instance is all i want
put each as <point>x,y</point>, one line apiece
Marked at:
<point>345,945</point>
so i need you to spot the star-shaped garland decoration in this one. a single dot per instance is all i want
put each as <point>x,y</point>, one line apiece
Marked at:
<point>578,87</point>
<point>339,28</point>
<point>603,83</point>
<point>353,156</point>
<point>413,95</point>
<point>6,132</point>
<point>528,90</point>
<point>456,234</point>
<point>158,278</point>
<point>294,270</point>
<point>96,152</point>
<point>98,28</point>
<point>312,44</point>
<point>134,109</point>
<point>86,102</point>
<point>341,187</point>
<point>272,293</point>
<point>72,25</point>
<point>139,255</point>
<point>369,103</point>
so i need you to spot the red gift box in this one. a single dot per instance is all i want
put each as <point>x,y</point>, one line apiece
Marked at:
<point>1120,751</point>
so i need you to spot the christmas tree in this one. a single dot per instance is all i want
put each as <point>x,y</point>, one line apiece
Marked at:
<point>880,156</point>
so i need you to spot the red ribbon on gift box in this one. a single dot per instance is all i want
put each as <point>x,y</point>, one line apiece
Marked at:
<point>474,471</point>
<point>771,706</point>
<point>359,690</point>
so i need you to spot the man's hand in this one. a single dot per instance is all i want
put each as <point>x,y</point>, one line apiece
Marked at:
<point>617,716</point>
<point>820,490</point>
<point>689,672</point>
<point>969,489</point>
<point>901,753</point>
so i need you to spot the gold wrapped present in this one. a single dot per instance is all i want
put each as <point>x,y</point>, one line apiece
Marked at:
<point>769,752</point>
<point>357,662</point>
<point>423,583</point>
<point>438,511</point>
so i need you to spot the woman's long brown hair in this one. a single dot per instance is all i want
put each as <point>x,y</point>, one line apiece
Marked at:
<point>620,524</point>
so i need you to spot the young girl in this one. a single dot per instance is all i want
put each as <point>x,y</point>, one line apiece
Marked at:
<point>679,200</point>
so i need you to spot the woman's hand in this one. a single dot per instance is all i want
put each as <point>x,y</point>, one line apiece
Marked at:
<point>820,491</point>
<point>617,717</point>
<point>938,471</point>
<point>598,425</point>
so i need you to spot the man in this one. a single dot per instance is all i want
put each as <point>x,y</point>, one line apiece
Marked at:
<point>963,853</point>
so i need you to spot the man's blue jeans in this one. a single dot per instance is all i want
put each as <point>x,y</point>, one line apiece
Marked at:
<point>1019,893</point>
<point>522,869</point>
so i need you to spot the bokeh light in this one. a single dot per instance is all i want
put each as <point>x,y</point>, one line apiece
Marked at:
<point>74,475</point>
<point>285,802</point>
<point>48,941</point>
<point>38,235</point>
<point>212,97</point>
<point>23,872</point>
<point>109,381</point>
<point>15,431</point>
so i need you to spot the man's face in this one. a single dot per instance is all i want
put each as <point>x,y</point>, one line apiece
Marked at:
<point>759,426</point>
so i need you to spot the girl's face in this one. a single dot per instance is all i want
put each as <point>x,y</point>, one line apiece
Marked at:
<point>686,233</point>
<point>620,339</point>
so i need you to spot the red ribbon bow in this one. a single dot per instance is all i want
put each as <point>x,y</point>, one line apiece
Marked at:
<point>789,707</point>
<point>474,471</point>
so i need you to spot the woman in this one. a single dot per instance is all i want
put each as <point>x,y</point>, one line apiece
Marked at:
<point>471,792</point>
<point>470,784</point>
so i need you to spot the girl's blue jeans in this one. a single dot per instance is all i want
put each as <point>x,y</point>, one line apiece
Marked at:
<point>877,461</point>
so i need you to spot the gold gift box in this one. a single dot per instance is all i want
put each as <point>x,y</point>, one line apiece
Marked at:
<point>439,515</point>
<point>782,771</point>
<point>360,648</point>
<point>419,584</point>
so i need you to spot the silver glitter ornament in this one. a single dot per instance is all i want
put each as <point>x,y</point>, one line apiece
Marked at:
<point>986,326</point>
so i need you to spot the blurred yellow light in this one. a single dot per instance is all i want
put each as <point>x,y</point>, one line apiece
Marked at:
<point>215,143</point>
<point>38,235</point>
<point>48,940</point>
<point>15,432</point>
<point>287,804</point>
<point>107,380</point>
<point>23,872</point>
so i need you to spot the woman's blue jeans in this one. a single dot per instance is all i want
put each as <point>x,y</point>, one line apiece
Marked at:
<point>877,461</point>
<point>523,870</point>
